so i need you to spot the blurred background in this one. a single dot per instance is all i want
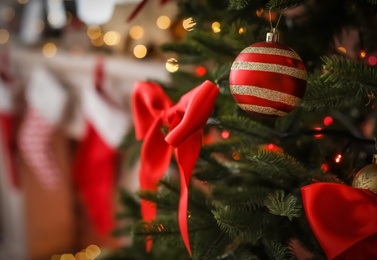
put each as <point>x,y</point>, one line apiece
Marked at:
<point>67,69</point>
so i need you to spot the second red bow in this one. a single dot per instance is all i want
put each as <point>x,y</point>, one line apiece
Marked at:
<point>152,110</point>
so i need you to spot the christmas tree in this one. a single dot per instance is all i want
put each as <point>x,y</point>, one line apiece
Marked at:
<point>281,146</point>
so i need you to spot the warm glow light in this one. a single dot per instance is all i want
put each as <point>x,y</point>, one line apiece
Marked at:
<point>241,30</point>
<point>140,51</point>
<point>338,158</point>
<point>4,36</point>
<point>342,49</point>
<point>98,42</point>
<point>136,32</point>
<point>49,50</point>
<point>225,134</point>
<point>93,251</point>
<point>325,167</point>
<point>318,136</point>
<point>67,257</point>
<point>200,71</point>
<point>22,1</point>
<point>328,120</point>
<point>111,38</point>
<point>93,32</point>
<point>82,256</point>
<point>189,24</point>
<point>372,60</point>
<point>163,22</point>
<point>172,65</point>
<point>260,12</point>
<point>362,54</point>
<point>236,156</point>
<point>7,13</point>
<point>216,27</point>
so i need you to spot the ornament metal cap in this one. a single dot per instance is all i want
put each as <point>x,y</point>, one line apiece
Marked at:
<point>273,36</point>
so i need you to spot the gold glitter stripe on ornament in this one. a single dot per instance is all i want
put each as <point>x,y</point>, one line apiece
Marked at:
<point>272,51</point>
<point>268,94</point>
<point>262,110</point>
<point>266,67</point>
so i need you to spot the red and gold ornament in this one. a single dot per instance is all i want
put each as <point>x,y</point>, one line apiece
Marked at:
<point>268,78</point>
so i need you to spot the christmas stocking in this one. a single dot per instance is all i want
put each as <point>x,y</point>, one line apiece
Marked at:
<point>95,162</point>
<point>46,102</point>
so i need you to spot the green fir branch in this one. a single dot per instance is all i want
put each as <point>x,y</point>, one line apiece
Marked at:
<point>278,251</point>
<point>209,245</point>
<point>238,4</point>
<point>246,227</point>
<point>280,204</point>
<point>281,5</point>
<point>212,45</point>
<point>277,167</point>
<point>239,198</point>
<point>245,126</point>
<point>344,83</point>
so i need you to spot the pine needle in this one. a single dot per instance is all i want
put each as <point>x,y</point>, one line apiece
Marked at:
<point>281,205</point>
<point>281,5</point>
<point>238,4</point>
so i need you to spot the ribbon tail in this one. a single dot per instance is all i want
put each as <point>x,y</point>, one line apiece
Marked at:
<point>153,166</point>
<point>186,154</point>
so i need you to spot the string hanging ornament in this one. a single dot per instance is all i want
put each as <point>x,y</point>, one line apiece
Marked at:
<point>268,78</point>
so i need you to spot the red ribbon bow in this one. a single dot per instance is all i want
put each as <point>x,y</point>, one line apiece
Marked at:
<point>344,220</point>
<point>152,110</point>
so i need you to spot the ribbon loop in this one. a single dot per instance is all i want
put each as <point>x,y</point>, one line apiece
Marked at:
<point>152,109</point>
<point>344,219</point>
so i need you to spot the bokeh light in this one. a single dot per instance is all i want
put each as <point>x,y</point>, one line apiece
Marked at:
<point>136,32</point>
<point>23,1</point>
<point>7,13</point>
<point>216,27</point>
<point>98,42</point>
<point>342,50</point>
<point>372,60</point>
<point>259,12</point>
<point>325,167</point>
<point>163,22</point>
<point>4,36</point>
<point>200,71</point>
<point>318,136</point>
<point>67,257</point>
<point>140,51</point>
<point>338,158</point>
<point>362,54</point>
<point>111,38</point>
<point>172,65</point>
<point>328,120</point>
<point>93,32</point>
<point>189,24</point>
<point>49,50</point>
<point>225,134</point>
<point>241,30</point>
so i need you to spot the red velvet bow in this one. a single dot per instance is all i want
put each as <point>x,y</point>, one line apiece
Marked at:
<point>344,220</point>
<point>152,110</point>
<point>139,7</point>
